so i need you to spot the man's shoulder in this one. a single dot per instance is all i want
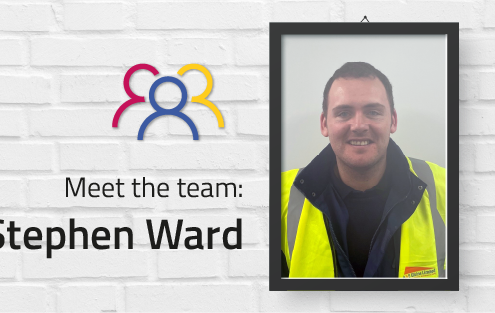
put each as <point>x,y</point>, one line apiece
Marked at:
<point>288,177</point>
<point>437,170</point>
<point>291,172</point>
<point>411,160</point>
<point>434,166</point>
<point>439,173</point>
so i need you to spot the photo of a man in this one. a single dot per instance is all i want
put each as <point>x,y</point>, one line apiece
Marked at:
<point>361,207</point>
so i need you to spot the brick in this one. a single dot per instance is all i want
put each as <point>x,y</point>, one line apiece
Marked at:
<point>481,299</point>
<point>468,86</point>
<point>93,122</point>
<point>93,51</point>
<point>90,156</point>
<point>476,262</point>
<point>25,89</point>
<point>247,263</point>
<point>10,123</point>
<point>23,298</point>
<point>467,228</point>
<point>87,299</point>
<point>337,11</point>
<point>33,17</point>
<point>250,228</point>
<point>203,51</point>
<point>293,301</point>
<point>203,297</point>
<point>67,263</point>
<point>466,157</point>
<point>200,15</point>
<point>252,51</point>
<point>93,16</point>
<point>254,194</point>
<point>235,87</point>
<point>463,12</point>
<point>376,301</point>
<point>477,52</point>
<point>489,14</point>
<point>91,88</point>
<point>23,157</point>
<point>485,232</point>
<point>92,222</point>
<point>300,11</point>
<point>253,121</point>
<point>10,192</point>
<point>476,121</point>
<point>8,263</point>
<point>476,192</point>
<point>266,156</point>
<point>195,156</point>
<point>11,52</point>
<point>484,157</point>
<point>205,120</point>
<point>51,193</point>
<point>264,90</point>
<point>487,80</point>
<point>191,263</point>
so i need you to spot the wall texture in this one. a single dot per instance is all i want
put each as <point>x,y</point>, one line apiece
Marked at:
<point>61,69</point>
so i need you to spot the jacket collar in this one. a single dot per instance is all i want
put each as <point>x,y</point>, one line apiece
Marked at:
<point>316,176</point>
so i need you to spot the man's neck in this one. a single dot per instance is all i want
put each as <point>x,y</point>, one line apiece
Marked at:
<point>361,179</point>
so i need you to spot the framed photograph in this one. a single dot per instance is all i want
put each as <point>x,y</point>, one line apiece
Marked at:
<point>364,156</point>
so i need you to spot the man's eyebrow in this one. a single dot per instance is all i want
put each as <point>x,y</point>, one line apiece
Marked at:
<point>374,105</point>
<point>367,106</point>
<point>342,107</point>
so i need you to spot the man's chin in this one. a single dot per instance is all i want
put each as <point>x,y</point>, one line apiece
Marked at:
<point>360,164</point>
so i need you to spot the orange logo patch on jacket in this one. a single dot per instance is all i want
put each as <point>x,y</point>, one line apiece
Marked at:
<point>414,272</point>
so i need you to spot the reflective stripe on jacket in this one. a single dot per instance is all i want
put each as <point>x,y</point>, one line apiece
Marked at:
<point>306,235</point>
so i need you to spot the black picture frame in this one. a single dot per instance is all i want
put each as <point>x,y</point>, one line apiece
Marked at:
<point>277,30</point>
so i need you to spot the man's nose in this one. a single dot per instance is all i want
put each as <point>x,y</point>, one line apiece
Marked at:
<point>359,123</point>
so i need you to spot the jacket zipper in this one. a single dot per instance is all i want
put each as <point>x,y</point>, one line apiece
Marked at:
<point>338,245</point>
<point>332,247</point>
<point>381,222</point>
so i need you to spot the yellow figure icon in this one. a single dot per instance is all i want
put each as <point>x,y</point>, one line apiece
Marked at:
<point>209,85</point>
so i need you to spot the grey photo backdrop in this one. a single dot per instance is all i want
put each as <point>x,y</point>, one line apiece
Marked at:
<point>414,64</point>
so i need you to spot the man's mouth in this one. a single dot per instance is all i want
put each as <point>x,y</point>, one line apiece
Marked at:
<point>360,142</point>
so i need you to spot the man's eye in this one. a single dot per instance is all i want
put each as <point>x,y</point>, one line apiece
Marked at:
<point>374,113</point>
<point>343,114</point>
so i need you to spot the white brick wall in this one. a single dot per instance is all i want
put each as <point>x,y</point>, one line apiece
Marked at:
<point>87,298</point>
<point>25,89</point>
<point>61,69</point>
<point>200,15</point>
<point>27,18</point>
<point>93,16</point>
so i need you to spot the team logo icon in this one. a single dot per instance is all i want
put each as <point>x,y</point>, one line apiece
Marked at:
<point>176,111</point>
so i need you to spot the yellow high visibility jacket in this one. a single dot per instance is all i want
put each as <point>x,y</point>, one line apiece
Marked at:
<point>306,239</point>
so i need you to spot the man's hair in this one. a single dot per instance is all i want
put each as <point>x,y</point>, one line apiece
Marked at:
<point>358,70</point>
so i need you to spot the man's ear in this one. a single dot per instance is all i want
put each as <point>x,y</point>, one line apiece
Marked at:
<point>393,127</point>
<point>323,125</point>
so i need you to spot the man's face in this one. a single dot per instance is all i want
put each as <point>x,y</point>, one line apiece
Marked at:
<point>358,122</point>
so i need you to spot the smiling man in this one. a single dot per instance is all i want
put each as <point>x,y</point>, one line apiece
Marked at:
<point>361,208</point>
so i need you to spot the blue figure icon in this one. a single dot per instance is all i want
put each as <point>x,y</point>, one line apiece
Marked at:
<point>161,111</point>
